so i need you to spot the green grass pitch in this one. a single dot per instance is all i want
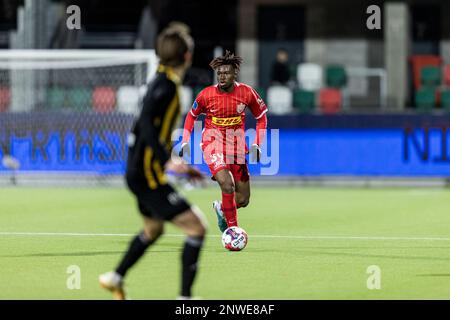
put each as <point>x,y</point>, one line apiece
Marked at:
<point>304,243</point>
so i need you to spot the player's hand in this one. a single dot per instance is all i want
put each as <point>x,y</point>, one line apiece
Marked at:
<point>255,152</point>
<point>182,168</point>
<point>195,175</point>
<point>177,166</point>
<point>184,148</point>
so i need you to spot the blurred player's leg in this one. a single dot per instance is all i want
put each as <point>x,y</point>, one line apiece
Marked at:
<point>226,182</point>
<point>193,223</point>
<point>152,230</point>
<point>113,281</point>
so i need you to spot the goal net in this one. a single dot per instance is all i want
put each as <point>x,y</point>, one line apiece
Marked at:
<point>65,114</point>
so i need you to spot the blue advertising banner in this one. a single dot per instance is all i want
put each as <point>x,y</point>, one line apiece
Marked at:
<point>92,143</point>
<point>365,152</point>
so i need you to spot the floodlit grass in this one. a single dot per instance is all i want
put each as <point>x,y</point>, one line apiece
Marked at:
<point>303,244</point>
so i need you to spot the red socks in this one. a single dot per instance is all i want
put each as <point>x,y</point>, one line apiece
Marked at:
<point>229,209</point>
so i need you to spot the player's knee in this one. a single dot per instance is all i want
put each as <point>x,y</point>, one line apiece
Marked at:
<point>154,232</point>
<point>200,228</point>
<point>227,186</point>
<point>226,182</point>
<point>200,217</point>
<point>243,203</point>
<point>241,200</point>
<point>196,223</point>
<point>201,231</point>
<point>197,230</point>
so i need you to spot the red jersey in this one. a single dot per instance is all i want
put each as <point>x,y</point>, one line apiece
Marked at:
<point>223,138</point>
<point>227,110</point>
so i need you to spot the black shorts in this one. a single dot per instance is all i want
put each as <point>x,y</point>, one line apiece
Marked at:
<point>163,203</point>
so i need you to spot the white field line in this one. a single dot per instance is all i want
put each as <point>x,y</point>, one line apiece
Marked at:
<point>76,234</point>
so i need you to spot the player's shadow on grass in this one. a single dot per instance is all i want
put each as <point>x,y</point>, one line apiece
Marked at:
<point>373,247</point>
<point>88,253</point>
<point>66,254</point>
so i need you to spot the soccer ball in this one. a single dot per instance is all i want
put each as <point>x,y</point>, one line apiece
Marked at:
<point>234,239</point>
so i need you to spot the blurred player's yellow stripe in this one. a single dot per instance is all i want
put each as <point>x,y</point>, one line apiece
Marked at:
<point>162,178</point>
<point>148,154</point>
<point>168,117</point>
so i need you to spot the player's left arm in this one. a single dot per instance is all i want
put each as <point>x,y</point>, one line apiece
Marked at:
<point>259,110</point>
<point>198,107</point>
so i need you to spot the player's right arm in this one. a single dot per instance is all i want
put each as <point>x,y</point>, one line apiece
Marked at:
<point>198,107</point>
<point>259,110</point>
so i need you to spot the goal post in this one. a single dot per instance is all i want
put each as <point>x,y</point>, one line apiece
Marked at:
<point>66,113</point>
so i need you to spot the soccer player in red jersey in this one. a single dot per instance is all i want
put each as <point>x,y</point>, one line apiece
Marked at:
<point>223,138</point>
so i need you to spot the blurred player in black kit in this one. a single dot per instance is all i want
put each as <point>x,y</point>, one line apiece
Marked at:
<point>149,152</point>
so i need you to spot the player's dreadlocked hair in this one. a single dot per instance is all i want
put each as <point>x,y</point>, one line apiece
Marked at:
<point>228,58</point>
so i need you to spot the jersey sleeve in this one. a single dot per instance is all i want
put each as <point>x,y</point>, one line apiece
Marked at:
<point>198,107</point>
<point>155,104</point>
<point>256,104</point>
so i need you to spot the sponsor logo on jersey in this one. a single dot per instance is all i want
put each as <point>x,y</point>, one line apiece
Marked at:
<point>174,198</point>
<point>240,107</point>
<point>226,121</point>
<point>194,105</point>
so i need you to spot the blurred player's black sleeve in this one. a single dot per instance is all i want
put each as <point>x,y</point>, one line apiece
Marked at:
<point>154,112</point>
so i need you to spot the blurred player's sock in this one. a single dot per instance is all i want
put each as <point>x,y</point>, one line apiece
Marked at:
<point>217,206</point>
<point>112,281</point>
<point>229,209</point>
<point>191,251</point>
<point>136,249</point>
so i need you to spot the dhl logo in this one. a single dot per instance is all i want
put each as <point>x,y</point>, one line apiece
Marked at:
<point>226,121</point>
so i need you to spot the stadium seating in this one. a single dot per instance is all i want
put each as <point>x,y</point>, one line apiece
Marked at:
<point>262,93</point>
<point>128,100</point>
<point>186,99</point>
<point>5,98</point>
<point>309,76</point>
<point>56,98</point>
<point>279,99</point>
<point>197,90</point>
<point>425,99</point>
<point>447,76</point>
<point>103,99</point>
<point>304,101</point>
<point>430,76</point>
<point>336,76</point>
<point>445,100</point>
<point>79,98</point>
<point>418,62</point>
<point>330,100</point>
